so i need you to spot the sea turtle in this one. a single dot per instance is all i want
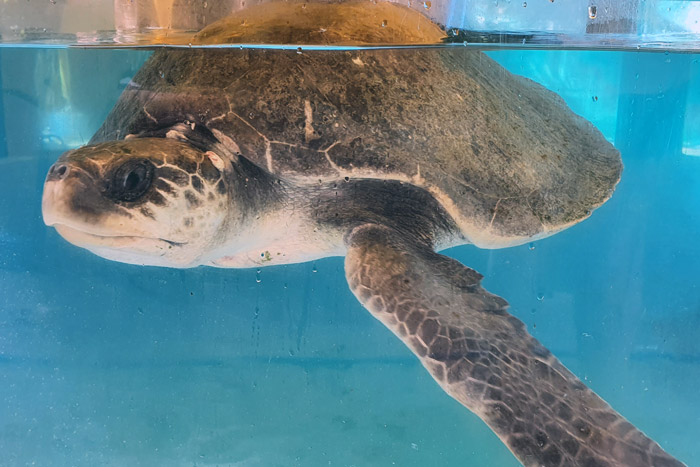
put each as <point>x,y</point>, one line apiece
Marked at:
<point>255,157</point>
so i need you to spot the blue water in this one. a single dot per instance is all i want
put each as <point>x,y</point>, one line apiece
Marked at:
<point>109,364</point>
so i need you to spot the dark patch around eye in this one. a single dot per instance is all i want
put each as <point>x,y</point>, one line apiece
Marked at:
<point>174,175</point>
<point>197,183</point>
<point>129,181</point>
<point>192,199</point>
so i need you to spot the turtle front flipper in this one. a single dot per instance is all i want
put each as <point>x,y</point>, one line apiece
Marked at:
<point>485,358</point>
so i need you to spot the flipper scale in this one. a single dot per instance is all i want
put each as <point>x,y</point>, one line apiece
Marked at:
<point>484,357</point>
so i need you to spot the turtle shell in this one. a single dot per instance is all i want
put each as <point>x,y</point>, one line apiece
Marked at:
<point>506,157</point>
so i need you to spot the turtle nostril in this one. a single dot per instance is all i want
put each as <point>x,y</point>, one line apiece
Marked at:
<point>58,172</point>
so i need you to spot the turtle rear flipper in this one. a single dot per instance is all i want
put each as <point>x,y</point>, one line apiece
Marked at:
<point>485,358</point>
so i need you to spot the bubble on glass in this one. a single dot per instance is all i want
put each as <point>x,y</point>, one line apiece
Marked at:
<point>427,5</point>
<point>595,98</point>
<point>258,279</point>
<point>540,297</point>
<point>384,23</point>
<point>524,4</point>
<point>299,51</point>
<point>531,246</point>
<point>592,11</point>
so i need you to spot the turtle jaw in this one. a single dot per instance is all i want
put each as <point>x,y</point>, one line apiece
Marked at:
<point>126,248</point>
<point>77,211</point>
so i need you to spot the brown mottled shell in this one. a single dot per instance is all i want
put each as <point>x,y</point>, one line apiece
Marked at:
<point>505,156</point>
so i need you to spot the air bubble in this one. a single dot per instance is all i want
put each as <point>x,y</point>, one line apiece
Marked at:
<point>524,4</point>
<point>258,279</point>
<point>540,297</point>
<point>384,23</point>
<point>427,5</point>
<point>299,50</point>
<point>592,11</point>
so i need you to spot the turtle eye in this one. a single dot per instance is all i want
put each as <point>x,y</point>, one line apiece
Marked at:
<point>131,180</point>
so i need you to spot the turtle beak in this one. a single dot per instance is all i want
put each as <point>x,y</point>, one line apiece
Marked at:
<point>53,202</point>
<point>72,198</point>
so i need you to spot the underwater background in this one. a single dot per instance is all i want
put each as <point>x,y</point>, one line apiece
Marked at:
<point>110,364</point>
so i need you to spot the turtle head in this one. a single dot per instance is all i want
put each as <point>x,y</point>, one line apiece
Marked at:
<point>152,201</point>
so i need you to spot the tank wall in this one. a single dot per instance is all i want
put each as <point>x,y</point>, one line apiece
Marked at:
<point>103,363</point>
<point>630,22</point>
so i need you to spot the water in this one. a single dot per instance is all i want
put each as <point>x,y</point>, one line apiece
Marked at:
<point>108,364</point>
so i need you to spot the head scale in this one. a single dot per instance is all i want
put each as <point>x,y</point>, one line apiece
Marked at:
<point>152,201</point>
